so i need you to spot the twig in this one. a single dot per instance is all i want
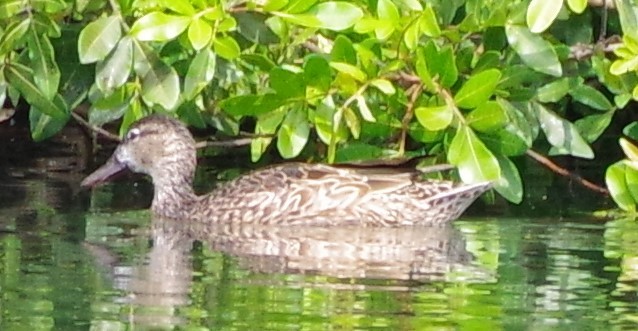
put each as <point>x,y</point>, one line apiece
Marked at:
<point>94,128</point>
<point>409,113</point>
<point>564,172</point>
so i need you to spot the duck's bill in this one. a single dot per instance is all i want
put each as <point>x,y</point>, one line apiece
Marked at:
<point>104,173</point>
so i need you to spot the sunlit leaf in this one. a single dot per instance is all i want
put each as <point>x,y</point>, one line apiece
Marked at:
<point>510,184</point>
<point>535,51</point>
<point>349,70</point>
<point>183,7</point>
<point>617,185</point>
<point>317,72</point>
<point>46,73</point>
<point>343,51</point>
<point>475,162</point>
<point>428,22</point>
<point>336,15</point>
<point>199,33</point>
<point>21,78</point>
<point>98,38</point>
<point>577,6</point>
<point>478,89</point>
<point>226,47</point>
<point>562,134</point>
<point>365,112</point>
<point>542,13</point>
<point>160,86</point>
<point>591,97</point>
<point>10,8</point>
<point>114,71</point>
<point>487,117</point>
<point>299,6</point>
<point>384,85</point>
<point>434,118</point>
<point>157,26</point>
<point>267,124</point>
<point>323,120</point>
<point>13,35</point>
<point>293,133</point>
<point>554,91</point>
<point>630,150</point>
<point>200,73</point>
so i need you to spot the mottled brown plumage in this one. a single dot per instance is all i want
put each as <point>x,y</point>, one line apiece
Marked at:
<point>290,194</point>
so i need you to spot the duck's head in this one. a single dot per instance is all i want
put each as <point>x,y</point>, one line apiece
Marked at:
<point>156,145</point>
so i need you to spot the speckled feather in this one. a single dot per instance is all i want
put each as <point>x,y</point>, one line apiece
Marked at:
<point>291,194</point>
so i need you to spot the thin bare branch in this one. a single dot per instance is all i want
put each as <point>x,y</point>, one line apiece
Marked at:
<point>94,128</point>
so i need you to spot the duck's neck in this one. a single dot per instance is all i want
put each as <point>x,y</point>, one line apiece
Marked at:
<point>174,196</point>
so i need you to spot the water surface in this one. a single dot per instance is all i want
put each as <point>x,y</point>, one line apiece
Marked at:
<point>109,268</point>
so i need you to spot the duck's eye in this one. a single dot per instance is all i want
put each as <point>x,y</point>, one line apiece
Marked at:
<point>132,134</point>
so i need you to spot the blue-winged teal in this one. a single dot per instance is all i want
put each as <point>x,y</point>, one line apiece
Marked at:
<point>291,194</point>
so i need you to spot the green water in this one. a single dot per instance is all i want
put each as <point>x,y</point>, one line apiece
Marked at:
<point>63,268</point>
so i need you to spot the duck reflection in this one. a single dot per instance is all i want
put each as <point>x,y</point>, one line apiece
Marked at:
<point>403,257</point>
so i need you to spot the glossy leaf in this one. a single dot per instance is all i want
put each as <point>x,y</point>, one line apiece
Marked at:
<point>343,51</point>
<point>434,118</point>
<point>226,47</point>
<point>487,117</point>
<point>21,78</point>
<point>478,89</point>
<point>323,120</point>
<point>157,26</point>
<point>475,162</point>
<point>253,27</point>
<point>293,133</point>
<point>554,91</point>
<point>267,124</point>
<point>630,150</point>
<point>542,13</point>
<point>160,86</point>
<point>251,105</point>
<point>591,97</point>
<point>114,71</point>
<point>617,185</point>
<point>10,8</point>
<point>349,70</point>
<point>200,73</point>
<point>199,33</point>
<point>628,18</point>
<point>317,72</point>
<point>46,73</point>
<point>577,6</point>
<point>510,184</point>
<point>109,108</point>
<point>183,7</point>
<point>535,51</point>
<point>299,6</point>
<point>562,134</point>
<point>13,35</point>
<point>592,126</point>
<point>43,126</point>
<point>428,22</point>
<point>384,86</point>
<point>98,38</point>
<point>440,63</point>
<point>336,15</point>
<point>365,112</point>
<point>287,84</point>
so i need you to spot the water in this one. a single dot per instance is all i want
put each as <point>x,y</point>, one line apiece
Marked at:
<point>63,268</point>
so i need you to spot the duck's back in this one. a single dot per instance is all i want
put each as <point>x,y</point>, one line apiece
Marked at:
<point>299,193</point>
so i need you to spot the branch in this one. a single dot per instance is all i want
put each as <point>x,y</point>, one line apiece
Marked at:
<point>564,172</point>
<point>409,113</point>
<point>94,128</point>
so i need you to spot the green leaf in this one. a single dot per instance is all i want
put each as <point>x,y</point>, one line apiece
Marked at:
<point>343,51</point>
<point>287,84</point>
<point>200,73</point>
<point>226,47</point>
<point>630,150</point>
<point>631,131</point>
<point>336,15</point>
<point>183,7</point>
<point>535,51</point>
<point>509,185</point>
<point>478,89</point>
<point>252,26</point>
<point>349,70</point>
<point>323,120</point>
<point>293,133</point>
<point>554,91</point>
<point>475,162</point>
<point>13,35</point>
<point>428,22</point>
<point>259,61</point>
<point>299,6</point>
<point>10,8</point>
<point>384,86</point>
<point>21,78</point>
<point>631,178</point>
<point>251,105</point>
<point>592,126</point>
<point>434,118</point>
<point>46,73</point>
<point>109,108</point>
<point>267,124</point>
<point>365,112</point>
<point>157,26</point>
<point>628,19</point>
<point>591,97</point>
<point>562,134</point>
<point>114,71</point>
<point>317,72</point>
<point>273,5</point>
<point>542,13</point>
<point>577,6</point>
<point>441,64</point>
<point>43,126</point>
<point>487,117</point>
<point>98,38</point>
<point>160,86</point>
<point>199,33</point>
<point>617,185</point>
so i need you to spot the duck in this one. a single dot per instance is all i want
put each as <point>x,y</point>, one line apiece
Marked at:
<point>293,193</point>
